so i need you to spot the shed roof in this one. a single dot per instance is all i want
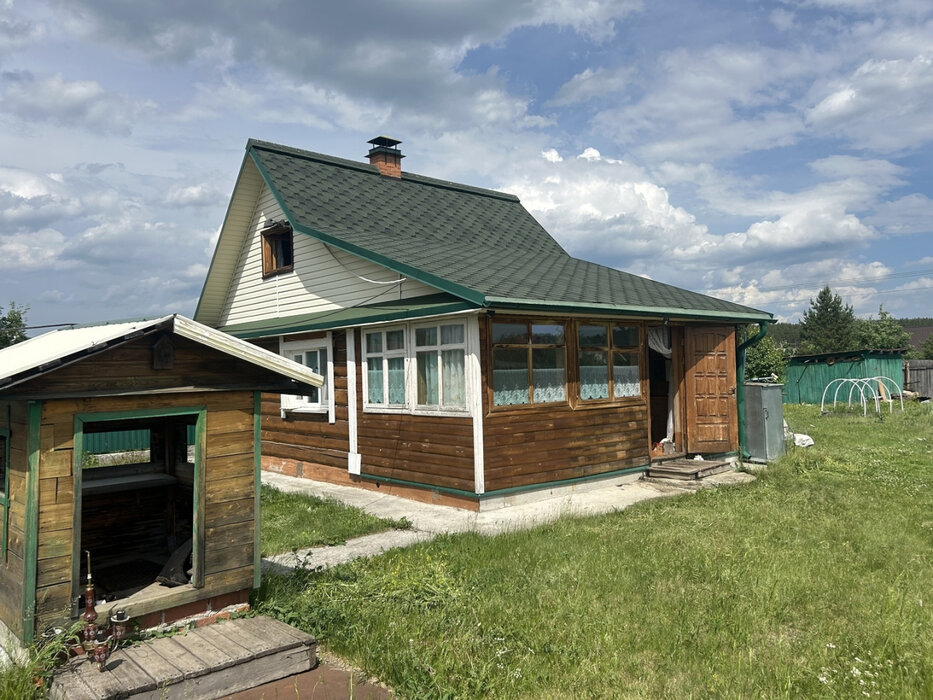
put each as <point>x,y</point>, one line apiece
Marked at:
<point>479,245</point>
<point>49,351</point>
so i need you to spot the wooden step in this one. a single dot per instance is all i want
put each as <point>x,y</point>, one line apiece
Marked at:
<point>207,662</point>
<point>686,469</point>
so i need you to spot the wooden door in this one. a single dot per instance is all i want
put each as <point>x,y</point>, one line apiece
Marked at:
<point>709,378</point>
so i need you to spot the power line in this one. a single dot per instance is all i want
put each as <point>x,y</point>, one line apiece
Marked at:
<point>853,280</point>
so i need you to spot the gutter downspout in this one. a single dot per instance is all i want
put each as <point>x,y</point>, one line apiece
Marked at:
<point>740,385</point>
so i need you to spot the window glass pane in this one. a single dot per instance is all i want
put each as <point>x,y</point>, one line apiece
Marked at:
<point>282,251</point>
<point>549,375</point>
<point>594,374</point>
<point>426,336</point>
<point>625,374</point>
<point>547,334</point>
<point>509,333</point>
<point>509,376</point>
<point>594,336</point>
<point>373,342</point>
<point>298,357</point>
<point>395,340</point>
<point>427,378</point>
<point>452,371</point>
<point>374,380</point>
<point>396,380</point>
<point>452,335</point>
<point>625,336</point>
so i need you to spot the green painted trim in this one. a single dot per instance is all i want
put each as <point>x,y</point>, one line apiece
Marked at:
<point>282,326</point>
<point>504,492</point>
<point>199,496</point>
<point>6,432</point>
<point>77,472</point>
<point>257,483</point>
<point>673,313</point>
<point>139,413</point>
<point>197,548</point>
<point>31,558</point>
<point>407,270</point>
<point>566,482</point>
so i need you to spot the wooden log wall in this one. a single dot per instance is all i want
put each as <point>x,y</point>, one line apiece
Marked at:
<point>530,445</point>
<point>227,498</point>
<point>434,451</point>
<point>309,438</point>
<point>11,569</point>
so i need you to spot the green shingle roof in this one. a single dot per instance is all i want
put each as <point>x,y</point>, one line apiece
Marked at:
<point>476,244</point>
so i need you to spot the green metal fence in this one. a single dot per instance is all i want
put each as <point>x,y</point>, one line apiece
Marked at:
<point>122,441</point>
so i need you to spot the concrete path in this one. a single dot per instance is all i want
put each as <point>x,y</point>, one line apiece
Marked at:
<point>429,520</point>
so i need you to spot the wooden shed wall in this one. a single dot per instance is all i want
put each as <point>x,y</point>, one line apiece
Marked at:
<point>309,438</point>
<point>12,573</point>
<point>227,496</point>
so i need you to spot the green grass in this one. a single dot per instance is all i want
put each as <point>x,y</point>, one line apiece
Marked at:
<point>293,521</point>
<point>814,581</point>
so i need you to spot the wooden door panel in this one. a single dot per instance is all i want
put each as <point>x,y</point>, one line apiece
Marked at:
<point>712,424</point>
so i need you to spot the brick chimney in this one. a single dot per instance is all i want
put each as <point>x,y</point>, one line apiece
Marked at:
<point>385,155</point>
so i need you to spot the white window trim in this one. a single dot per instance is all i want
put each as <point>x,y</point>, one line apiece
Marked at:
<point>385,354</point>
<point>291,403</point>
<point>470,348</point>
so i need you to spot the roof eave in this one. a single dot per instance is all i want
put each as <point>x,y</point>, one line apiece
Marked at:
<point>751,316</point>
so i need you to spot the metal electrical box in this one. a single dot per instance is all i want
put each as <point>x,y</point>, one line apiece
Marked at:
<point>764,420</point>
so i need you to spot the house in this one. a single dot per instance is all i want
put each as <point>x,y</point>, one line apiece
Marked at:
<point>195,495</point>
<point>467,355</point>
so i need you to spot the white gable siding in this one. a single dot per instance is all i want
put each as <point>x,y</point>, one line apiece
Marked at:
<point>239,216</point>
<point>323,278</point>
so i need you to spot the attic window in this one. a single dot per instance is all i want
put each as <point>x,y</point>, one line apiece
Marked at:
<point>277,251</point>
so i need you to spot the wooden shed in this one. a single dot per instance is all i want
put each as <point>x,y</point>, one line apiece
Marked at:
<point>809,375</point>
<point>176,379</point>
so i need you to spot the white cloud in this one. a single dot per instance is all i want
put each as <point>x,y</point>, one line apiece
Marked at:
<point>31,250</point>
<point>885,105</point>
<point>910,214</point>
<point>83,103</point>
<point>592,83</point>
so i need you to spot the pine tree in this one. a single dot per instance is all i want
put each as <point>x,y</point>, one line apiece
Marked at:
<point>828,325</point>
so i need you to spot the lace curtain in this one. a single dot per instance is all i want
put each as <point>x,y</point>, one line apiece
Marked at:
<point>452,369</point>
<point>659,340</point>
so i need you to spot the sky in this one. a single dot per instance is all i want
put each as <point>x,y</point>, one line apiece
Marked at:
<point>755,151</point>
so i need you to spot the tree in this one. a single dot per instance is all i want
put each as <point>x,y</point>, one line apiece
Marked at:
<point>12,325</point>
<point>828,325</point>
<point>764,358</point>
<point>926,350</point>
<point>883,333</point>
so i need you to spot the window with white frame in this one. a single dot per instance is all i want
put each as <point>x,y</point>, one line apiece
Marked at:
<point>440,352</point>
<point>385,353</point>
<point>316,355</point>
<point>418,367</point>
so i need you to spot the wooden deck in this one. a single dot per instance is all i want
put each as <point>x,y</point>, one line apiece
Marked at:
<point>208,662</point>
<point>686,469</point>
